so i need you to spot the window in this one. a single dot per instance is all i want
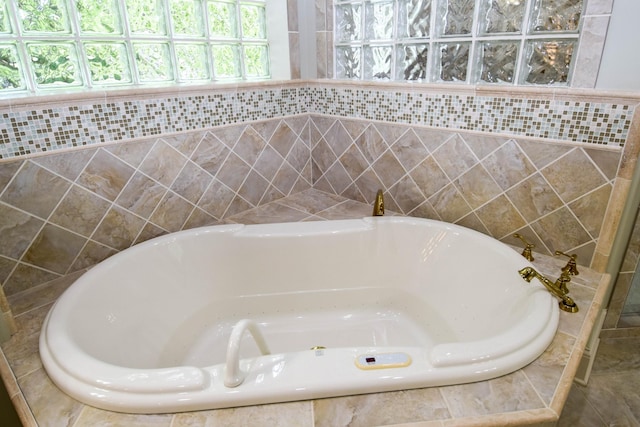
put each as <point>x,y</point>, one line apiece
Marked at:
<point>64,44</point>
<point>467,41</point>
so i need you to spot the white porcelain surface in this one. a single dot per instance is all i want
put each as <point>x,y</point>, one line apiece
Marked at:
<point>147,330</point>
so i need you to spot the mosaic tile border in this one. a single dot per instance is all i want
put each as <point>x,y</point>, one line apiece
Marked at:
<point>47,129</point>
<point>53,127</point>
<point>576,121</point>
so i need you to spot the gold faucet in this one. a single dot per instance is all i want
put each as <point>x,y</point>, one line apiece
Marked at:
<point>378,205</point>
<point>558,288</point>
<point>571,269</point>
<point>526,252</point>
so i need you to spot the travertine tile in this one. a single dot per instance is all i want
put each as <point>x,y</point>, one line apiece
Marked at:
<point>590,208</point>
<point>545,372</point>
<point>35,190</point>
<point>429,177</point>
<point>94,417</point>
<point>500,217</point>
<point>371,143</point>
<point>54,249</point>
<point>268,214</point>
<point>233,172</point>
<point>381,409</point>
<point>141,195</point>
<point>191,182</point>
<point>18,230</point>
<point>210,153</point>
<point>534,197</point>
<point>388,169</point>
<point>49,405</point>
<point>132,152</point>
<point>80,211</point>
<point>450,204</point>
<point>541,153</point>
<point>91,254</point>
<point>268,163</point>
<point>409,150</point>
<point>476,186</point>
<point>7,171</point>
<point>607,161</point>
<point>293,414</point>
<point>283,139</point>
<point>604,394</point>
<point>561,231</point>
<point>24,277</point>
<point>118,229</point>
<point>163,163</point>
<point>249,146</point>
<point>253,188</point>
<point>508,165</point>
<point>561,175</point>
<point>69,164</point>
<point>406,194</point>
<point>454,157</point>
<point>216,199</point>
<point>106,175</point>
<point>504,394</point>
<point>171,213</point>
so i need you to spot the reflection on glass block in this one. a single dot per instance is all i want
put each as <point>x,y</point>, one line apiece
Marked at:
<point>222,19</point>
<point>556,15</point>
<point>48,16</point>
<point>549,61</point>
<point>226,61</point>
<point>5,27</point>
<point>349,22</point>
<point>502,16</point>
<point>252,19</point>
<point>54,64</point>
<point>377,62</point>
<point>456,17</point>
<point>412,62</point>
<point>454,61</point>
<point>186,17</point>
<point>10,75</point>
<point>108,63</point>
<point>99,17</point>
<point>379,20</point>
<point>256,61</point>
<point>146,17</point>
<point>348,64</point>
<point>153,62</point>
<point>414,18</point>
<point>192,61</point>
<point>498,61</point>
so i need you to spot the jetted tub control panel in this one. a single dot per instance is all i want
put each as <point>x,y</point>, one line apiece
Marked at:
<point>383,361</point>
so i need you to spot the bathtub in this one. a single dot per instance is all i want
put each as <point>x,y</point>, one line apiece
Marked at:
<point>235,315</point>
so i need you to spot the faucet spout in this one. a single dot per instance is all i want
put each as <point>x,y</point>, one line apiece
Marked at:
<point>378,204</point>
<point>566,303</point>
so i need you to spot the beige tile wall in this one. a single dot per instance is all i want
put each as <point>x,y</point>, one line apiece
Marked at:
<point>63,212</point>
<point>494,184</point>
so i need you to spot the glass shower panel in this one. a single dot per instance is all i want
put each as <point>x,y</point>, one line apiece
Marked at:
<point>502,16</point>
<point>414,18</point>
<point>412,62</point>
<point>377,62</point>
<point>379,21</point>
<point>549,61</point>
<point>497,61</point>
<point>556,15</point>
<point>456,17</point>
<point>349,22</point>
<point>454,61</point>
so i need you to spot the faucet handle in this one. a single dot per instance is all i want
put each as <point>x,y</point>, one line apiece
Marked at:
<point>571,268</point>
<point>526,252</point>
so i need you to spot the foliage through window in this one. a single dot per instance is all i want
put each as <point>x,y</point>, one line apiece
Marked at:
<point>468,41</point>
<point>64,44</point>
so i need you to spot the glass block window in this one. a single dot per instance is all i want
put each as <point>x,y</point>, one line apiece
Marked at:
<point>49,45</point>
<point>526,42</point>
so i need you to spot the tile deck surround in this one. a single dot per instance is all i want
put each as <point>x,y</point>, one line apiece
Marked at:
<point>534,395</point>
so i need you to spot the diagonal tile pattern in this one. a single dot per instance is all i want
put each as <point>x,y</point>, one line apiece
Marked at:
<point>62,213</point>
<point>496,185</point>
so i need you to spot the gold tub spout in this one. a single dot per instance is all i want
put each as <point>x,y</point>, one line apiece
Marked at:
<point>378,204</point>
<point>566,303</point>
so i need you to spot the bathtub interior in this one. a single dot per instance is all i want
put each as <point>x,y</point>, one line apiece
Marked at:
<point>369,283</point>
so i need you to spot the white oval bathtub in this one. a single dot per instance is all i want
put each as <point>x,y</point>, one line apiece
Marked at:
<point>345,307</point>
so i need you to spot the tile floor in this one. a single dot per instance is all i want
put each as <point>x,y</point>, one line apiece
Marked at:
<point>612,395</point>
